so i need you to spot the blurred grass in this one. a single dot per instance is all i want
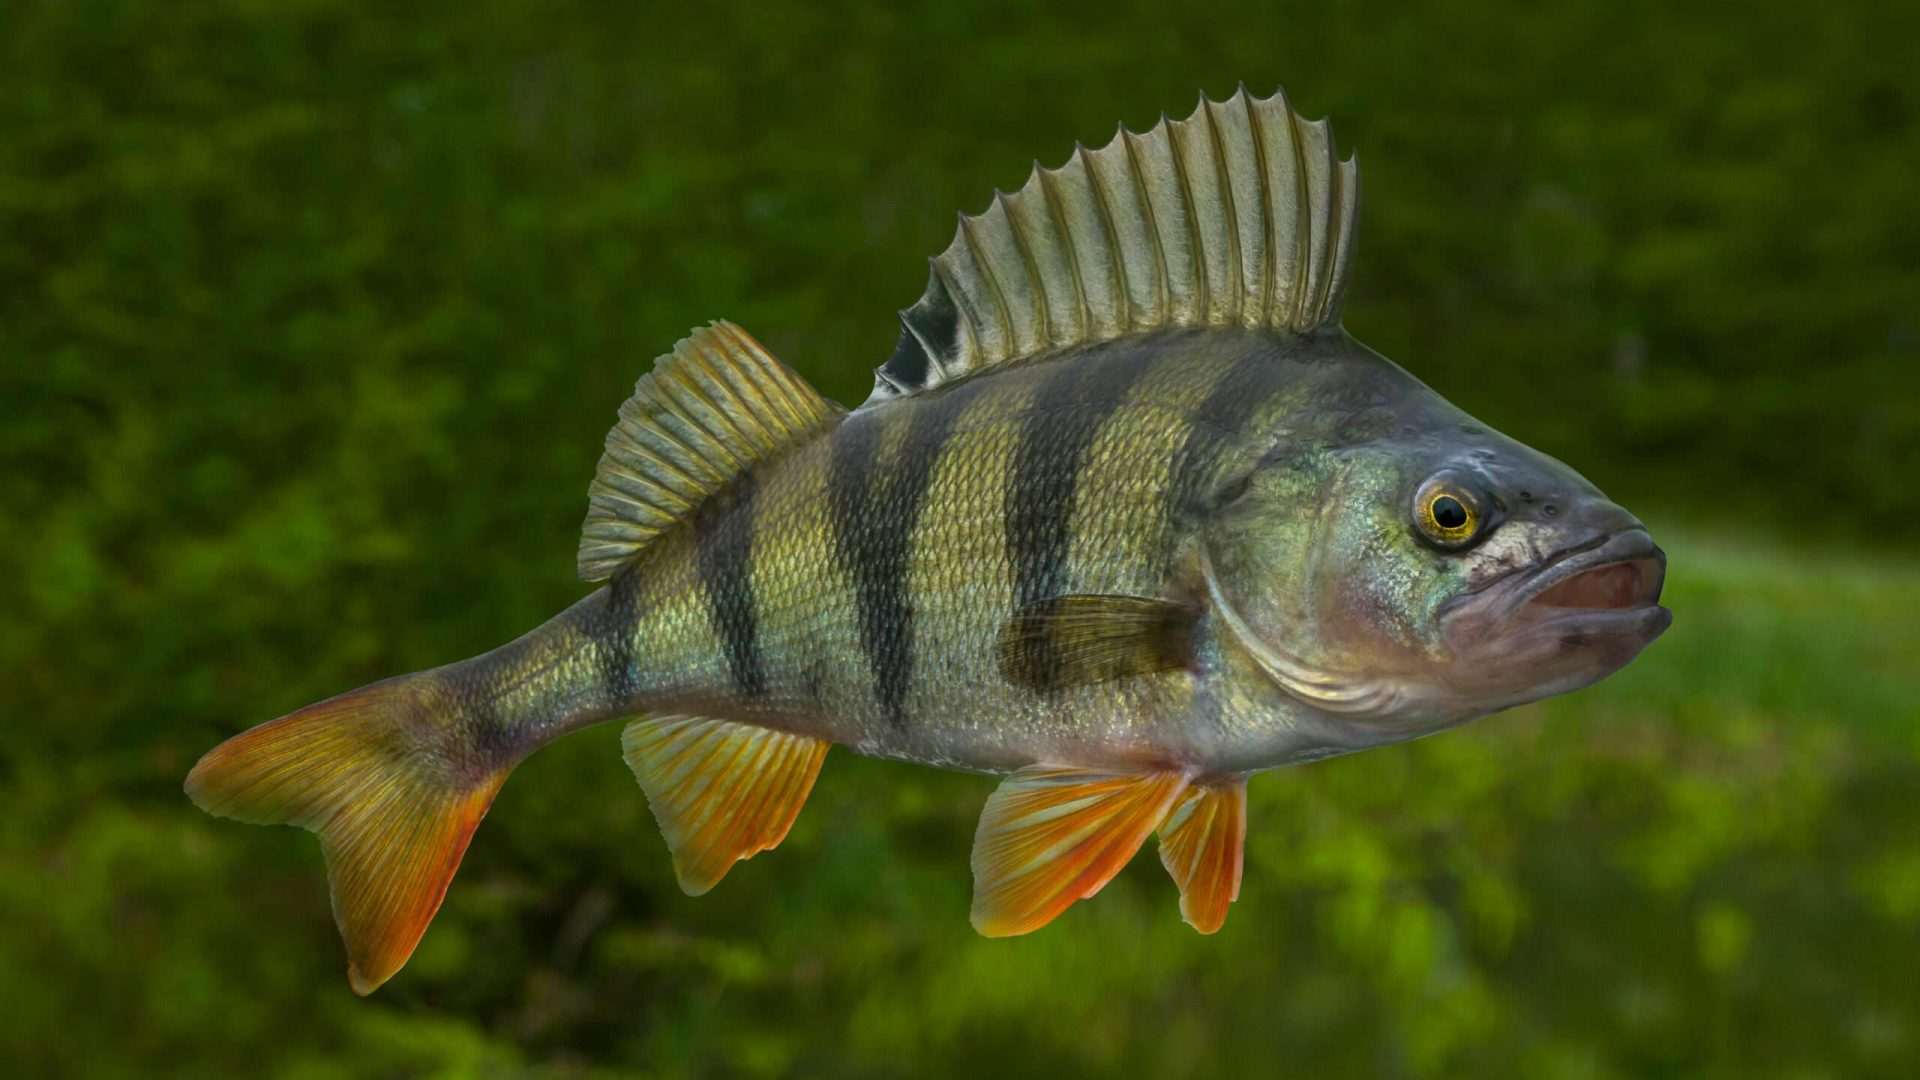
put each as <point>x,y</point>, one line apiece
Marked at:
<point>313,315</point>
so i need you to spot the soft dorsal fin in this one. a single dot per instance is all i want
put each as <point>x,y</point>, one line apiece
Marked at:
<point>1236,216</point>
<point>716,405</point>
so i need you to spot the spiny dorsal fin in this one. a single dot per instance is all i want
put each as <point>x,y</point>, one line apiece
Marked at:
<point>1236,216</point>
<point>717,405</point>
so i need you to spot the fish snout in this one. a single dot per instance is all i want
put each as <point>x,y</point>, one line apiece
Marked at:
<point>1574,617</point>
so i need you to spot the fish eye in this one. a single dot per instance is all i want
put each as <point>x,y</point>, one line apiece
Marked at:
<point>1446,513</point>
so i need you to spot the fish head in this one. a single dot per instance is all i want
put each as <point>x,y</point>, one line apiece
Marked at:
<point>1431,573</point>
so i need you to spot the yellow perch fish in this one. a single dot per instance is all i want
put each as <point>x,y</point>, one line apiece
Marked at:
<point>1127,518</point>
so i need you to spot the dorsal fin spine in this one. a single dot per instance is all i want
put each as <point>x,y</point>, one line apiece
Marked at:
<point>1237,289</point>
<point>1182,210</point>
<point>964,319</point>
<point>1001,308</point>
<point>1332,282</point>
<point>1233,121</point>
<point>1024,241</point>
<point>936,366</point>
<point>1349,213</point>
<point>1293,247</point>
<point>1104,213</point>
<point>1195,248</point>
<point>1049,185</point>
<point>1268,218</point>
<point>1162,304</point>
<point>1316,154</point>
<point>1203,214</point>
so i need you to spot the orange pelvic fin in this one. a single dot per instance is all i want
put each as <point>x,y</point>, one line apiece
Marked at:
<point>722,791</point>
<point>1052,835</point>
<point>393,821</point>
<point>1201,845</point>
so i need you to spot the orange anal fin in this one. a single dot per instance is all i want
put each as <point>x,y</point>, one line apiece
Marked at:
<point>393,822</point>
<point>1051,835</point>
<point>1201,845</point>
<point>721,791</point>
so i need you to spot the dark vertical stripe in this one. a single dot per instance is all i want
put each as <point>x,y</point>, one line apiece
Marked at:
<point>613,638</point>
<point>874,509</point>
<point>491,739</point>
<point>723,552</point>
<point>1065,417</point>
<point>852,473</point>
<point>1242,391</point>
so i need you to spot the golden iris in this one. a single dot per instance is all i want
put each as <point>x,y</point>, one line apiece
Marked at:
<point>1447,516</point>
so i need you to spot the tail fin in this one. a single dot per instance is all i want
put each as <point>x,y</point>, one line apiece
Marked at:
<point>369,772</point>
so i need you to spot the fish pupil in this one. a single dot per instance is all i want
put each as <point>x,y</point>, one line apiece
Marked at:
<point>1448,513</point>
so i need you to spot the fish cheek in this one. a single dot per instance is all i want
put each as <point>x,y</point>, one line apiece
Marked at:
<point>1370,615</point>
<point>1384,604</point>
<point>1509,549</point>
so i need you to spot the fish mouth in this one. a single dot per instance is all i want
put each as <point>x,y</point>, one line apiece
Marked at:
<point>1602,596</point>
<point>1622,573</point>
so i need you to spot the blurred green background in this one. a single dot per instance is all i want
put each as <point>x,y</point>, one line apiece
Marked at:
<point>313,315</point>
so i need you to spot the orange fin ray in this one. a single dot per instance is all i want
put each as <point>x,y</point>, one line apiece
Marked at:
<point>1202,845</point>
<point>1051,835</point>
<point>393,822</point>
<point>721,791</point>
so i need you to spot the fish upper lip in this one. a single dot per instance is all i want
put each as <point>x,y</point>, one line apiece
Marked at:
<point>1627,545</point>
<point>1511,591</point>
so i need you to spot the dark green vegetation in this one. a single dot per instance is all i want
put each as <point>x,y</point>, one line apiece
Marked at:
<point>311,322</point>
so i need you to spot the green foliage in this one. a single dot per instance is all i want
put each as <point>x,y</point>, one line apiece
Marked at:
<point>313,314</point>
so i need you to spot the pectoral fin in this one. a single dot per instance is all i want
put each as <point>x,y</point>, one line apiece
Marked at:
<point>1085,638</point>
<point>721,791</point>
<point>1053,835</point>
<point>1201,845</point>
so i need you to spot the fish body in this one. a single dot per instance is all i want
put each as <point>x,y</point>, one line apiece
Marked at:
<point>1128,518</point>
<point>880,565</point>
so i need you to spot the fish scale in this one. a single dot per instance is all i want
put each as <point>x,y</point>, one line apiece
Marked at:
<point>1128,517</point>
